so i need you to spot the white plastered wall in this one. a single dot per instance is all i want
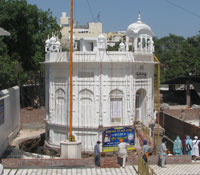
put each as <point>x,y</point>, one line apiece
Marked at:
<point>99,85</point>
<point>11,125</point>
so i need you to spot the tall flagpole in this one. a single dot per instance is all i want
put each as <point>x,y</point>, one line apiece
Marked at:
<point>71,71</point>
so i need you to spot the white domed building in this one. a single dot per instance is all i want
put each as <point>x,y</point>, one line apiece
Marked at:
<point>110,88</point>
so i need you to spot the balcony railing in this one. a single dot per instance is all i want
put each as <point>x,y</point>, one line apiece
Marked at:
<point>89,56</point>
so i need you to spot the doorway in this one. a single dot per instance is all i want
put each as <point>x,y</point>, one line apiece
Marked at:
<point>140,105</point>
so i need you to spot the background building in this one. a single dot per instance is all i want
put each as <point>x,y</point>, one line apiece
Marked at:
<point>115,37</point>
<point>92,29</point>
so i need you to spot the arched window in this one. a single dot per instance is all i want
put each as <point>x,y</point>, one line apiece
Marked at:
<point>143,43</point>
<point>148,43</point>
<point>138,42</point>
<point>86,104</point>
<point>60,107</point>
<point>116,106</point>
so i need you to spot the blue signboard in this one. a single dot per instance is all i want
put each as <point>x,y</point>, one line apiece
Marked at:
<point>1,111</point>
<point>112,136</point>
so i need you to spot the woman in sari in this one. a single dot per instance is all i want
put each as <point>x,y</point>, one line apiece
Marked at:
<point>188,146</point>
<point>177,148</point>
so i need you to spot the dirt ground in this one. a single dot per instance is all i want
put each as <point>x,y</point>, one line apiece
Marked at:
<point>186,114</point>
<point>33,118</point>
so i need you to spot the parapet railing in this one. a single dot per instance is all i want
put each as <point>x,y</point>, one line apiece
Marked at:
<point>143,167</point>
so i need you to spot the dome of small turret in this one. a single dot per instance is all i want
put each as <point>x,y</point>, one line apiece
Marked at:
<point>121,45</point>
<point>101,37</point>
<point>47,41</point>
<point>57,43</point>
<point>138,28</point>
<point>52,39</point>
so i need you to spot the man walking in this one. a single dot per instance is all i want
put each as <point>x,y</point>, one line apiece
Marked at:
<point>97,154</point>
<point>122,152</point>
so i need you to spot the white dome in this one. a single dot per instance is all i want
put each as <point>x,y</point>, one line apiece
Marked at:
<point>138,28</point>
<point>121,45</point>
<point>52,39</point>
<point>101,37</point>
<point>57,42</point>
<point>47,41</point>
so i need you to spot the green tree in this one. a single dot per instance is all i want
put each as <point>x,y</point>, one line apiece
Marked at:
<point>194,43</point>
<point>176,55</point>
<point>29,28</point>
<point>114,48</point>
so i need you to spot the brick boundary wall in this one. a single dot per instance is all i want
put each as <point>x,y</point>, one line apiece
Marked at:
<point>176,127</point>
<point>106,162</point>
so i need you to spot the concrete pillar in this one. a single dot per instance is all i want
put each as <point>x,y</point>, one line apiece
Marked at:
<point>135,44</point>
<point>127,43</point>
<point>70,150</point>
<point>146,43</point>
<point>188,101</point>
<point>141,43</point>
<point>158,135</point>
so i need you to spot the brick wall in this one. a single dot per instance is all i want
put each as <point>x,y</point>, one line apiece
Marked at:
<point>106,162</point>
<point>176,127</point>
<point>191,114</point>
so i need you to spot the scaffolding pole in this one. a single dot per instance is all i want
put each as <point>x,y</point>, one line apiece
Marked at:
<point>71,73</point>
<point>158,96</point>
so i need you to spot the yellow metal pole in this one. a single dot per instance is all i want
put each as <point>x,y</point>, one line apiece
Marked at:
<point>71,70</point>
<point>158,96</point>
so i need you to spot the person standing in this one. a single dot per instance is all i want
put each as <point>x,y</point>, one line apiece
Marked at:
<point>184,145</point>
<point>152,126</point>
<point>97,154</point>
<point>146,150</point>
<point>195,148</point>
<point>177,147</point>
<point>1,168</point>
<point>122,152</point>
<point>155,115</point>
<point>188,146</point>
<point>163,153</point>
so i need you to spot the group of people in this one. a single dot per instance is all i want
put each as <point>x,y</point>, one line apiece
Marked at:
<point>188,147</point>
<point>147,150</point>
<point>122,153</point>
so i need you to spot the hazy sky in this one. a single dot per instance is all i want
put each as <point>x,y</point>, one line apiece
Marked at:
<point>180,17</point>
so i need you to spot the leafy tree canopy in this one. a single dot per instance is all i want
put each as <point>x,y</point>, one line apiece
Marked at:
<point>24,49</point>
<point>178,56</point>
<point>114,48</point>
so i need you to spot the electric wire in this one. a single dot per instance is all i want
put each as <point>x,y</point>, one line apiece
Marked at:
<point>182,8</point>
<point>90,9</point>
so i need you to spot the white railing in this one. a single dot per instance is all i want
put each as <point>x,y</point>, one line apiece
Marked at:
<point>98,56</point>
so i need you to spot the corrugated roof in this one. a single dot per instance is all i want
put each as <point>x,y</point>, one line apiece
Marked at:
<point>4,32</point>
<point>183,80</point>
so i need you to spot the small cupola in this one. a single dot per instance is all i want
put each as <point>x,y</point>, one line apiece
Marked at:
<point>52,45</point>
<point>141,36</point>
<point>121,47</point>
<point>47,44</point>
<point>101,43</point>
